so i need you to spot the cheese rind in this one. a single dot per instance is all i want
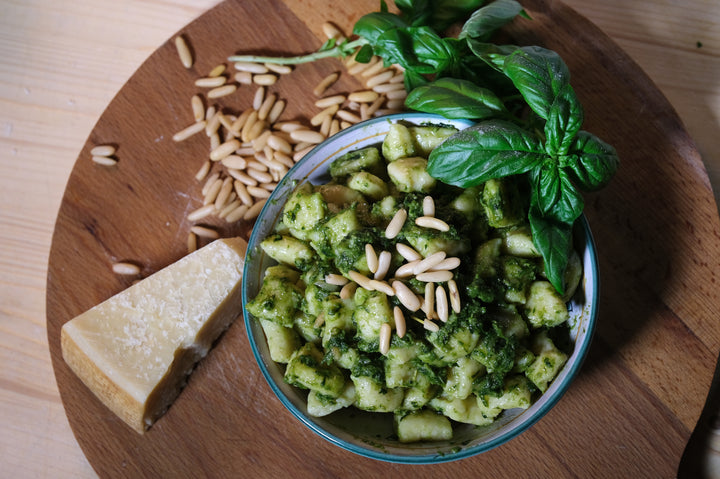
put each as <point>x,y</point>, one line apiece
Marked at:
<point>135,350</point>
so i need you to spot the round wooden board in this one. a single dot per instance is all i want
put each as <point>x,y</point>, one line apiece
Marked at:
<point>641,390</point>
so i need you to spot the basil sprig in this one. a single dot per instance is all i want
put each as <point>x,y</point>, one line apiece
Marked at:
<point>529,118</point>
<point>559,162</point>
<point>558,158</point>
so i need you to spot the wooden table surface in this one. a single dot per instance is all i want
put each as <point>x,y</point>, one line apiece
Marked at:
<point>60,65</point>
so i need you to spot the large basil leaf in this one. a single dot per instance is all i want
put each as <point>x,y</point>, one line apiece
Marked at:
<point>453,98</point>
<point>487,20</point>
<point>539,74</point>
<point>553,239</point>
<point>592,162</point>
<point>563,122</point>
<point>490,149</point>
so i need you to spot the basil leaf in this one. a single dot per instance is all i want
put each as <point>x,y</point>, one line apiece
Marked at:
<point>593,162</point>
<point>493,55</point>
<point>563,122</point>
<point>437,14</point>
<point>373,25</point>
<point>553,239</point>
<point>556,196</point>
<point>415,48</point>
<point>453,98</point>
<point>486,20</point>
<point>490,149</point>
<point>539,74</point>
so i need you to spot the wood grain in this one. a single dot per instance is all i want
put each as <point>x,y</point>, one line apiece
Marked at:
<point>63,62</point>
<point>641,390</point>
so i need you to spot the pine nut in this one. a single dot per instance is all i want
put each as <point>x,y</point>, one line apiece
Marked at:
<point>385,332</point>
<point>242,192</point>
<point>330,100</point>
<point>234,161</point>
<point>191,130</point>
<point>428,206</point>
<point>447,264</point>
<point>205,232</point>
<point>254,210</point>
<point>277,68</point>
<point>251,67</point>
<point>430,326</point>
<point>265,79</point>
<point>396,224</point>
<point>454,295</point>
<point>429,262</point>
<point>400,325</point>
<point>371,258</point>
<point>307,136</point>
<point>202,212</point>
<point>325,83</point>
<point>384,259</point>
<point>432,222</point>
<point>104,160</point>
<point>225,149</point>
<point>336,279</point>
<point>237,213</point>
<point>434,276</point>
<point>183,52</point>
<point>103,150</point>
<point>222,91</point>
<point>362,280</point>
<point>407,252</point>
<point>429,304</point>
<point>348,291</point>
<point>441,304</point>
<point>210,82</point>
<point>128,269</point>
<point>406,296</point>
<point>382,286</point>
<point>406,270</point>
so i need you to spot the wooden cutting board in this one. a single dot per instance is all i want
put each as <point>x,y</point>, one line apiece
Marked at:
<point>641,390</point>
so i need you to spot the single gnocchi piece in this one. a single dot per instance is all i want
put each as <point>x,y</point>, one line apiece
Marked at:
<point>423,425</point>
<point>410,175</point>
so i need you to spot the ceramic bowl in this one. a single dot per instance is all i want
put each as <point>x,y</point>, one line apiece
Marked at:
<point>371,434</point>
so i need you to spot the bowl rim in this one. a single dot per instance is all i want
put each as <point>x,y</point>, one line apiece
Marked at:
<point>580,352</point>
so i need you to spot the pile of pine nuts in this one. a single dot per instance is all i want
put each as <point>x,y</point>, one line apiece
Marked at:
<point>434,269</point>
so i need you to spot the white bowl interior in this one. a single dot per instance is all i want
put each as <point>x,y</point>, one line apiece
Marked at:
<point>371,434</point>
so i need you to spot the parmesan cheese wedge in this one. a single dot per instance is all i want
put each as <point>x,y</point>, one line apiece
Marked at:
<point>136,350</point>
